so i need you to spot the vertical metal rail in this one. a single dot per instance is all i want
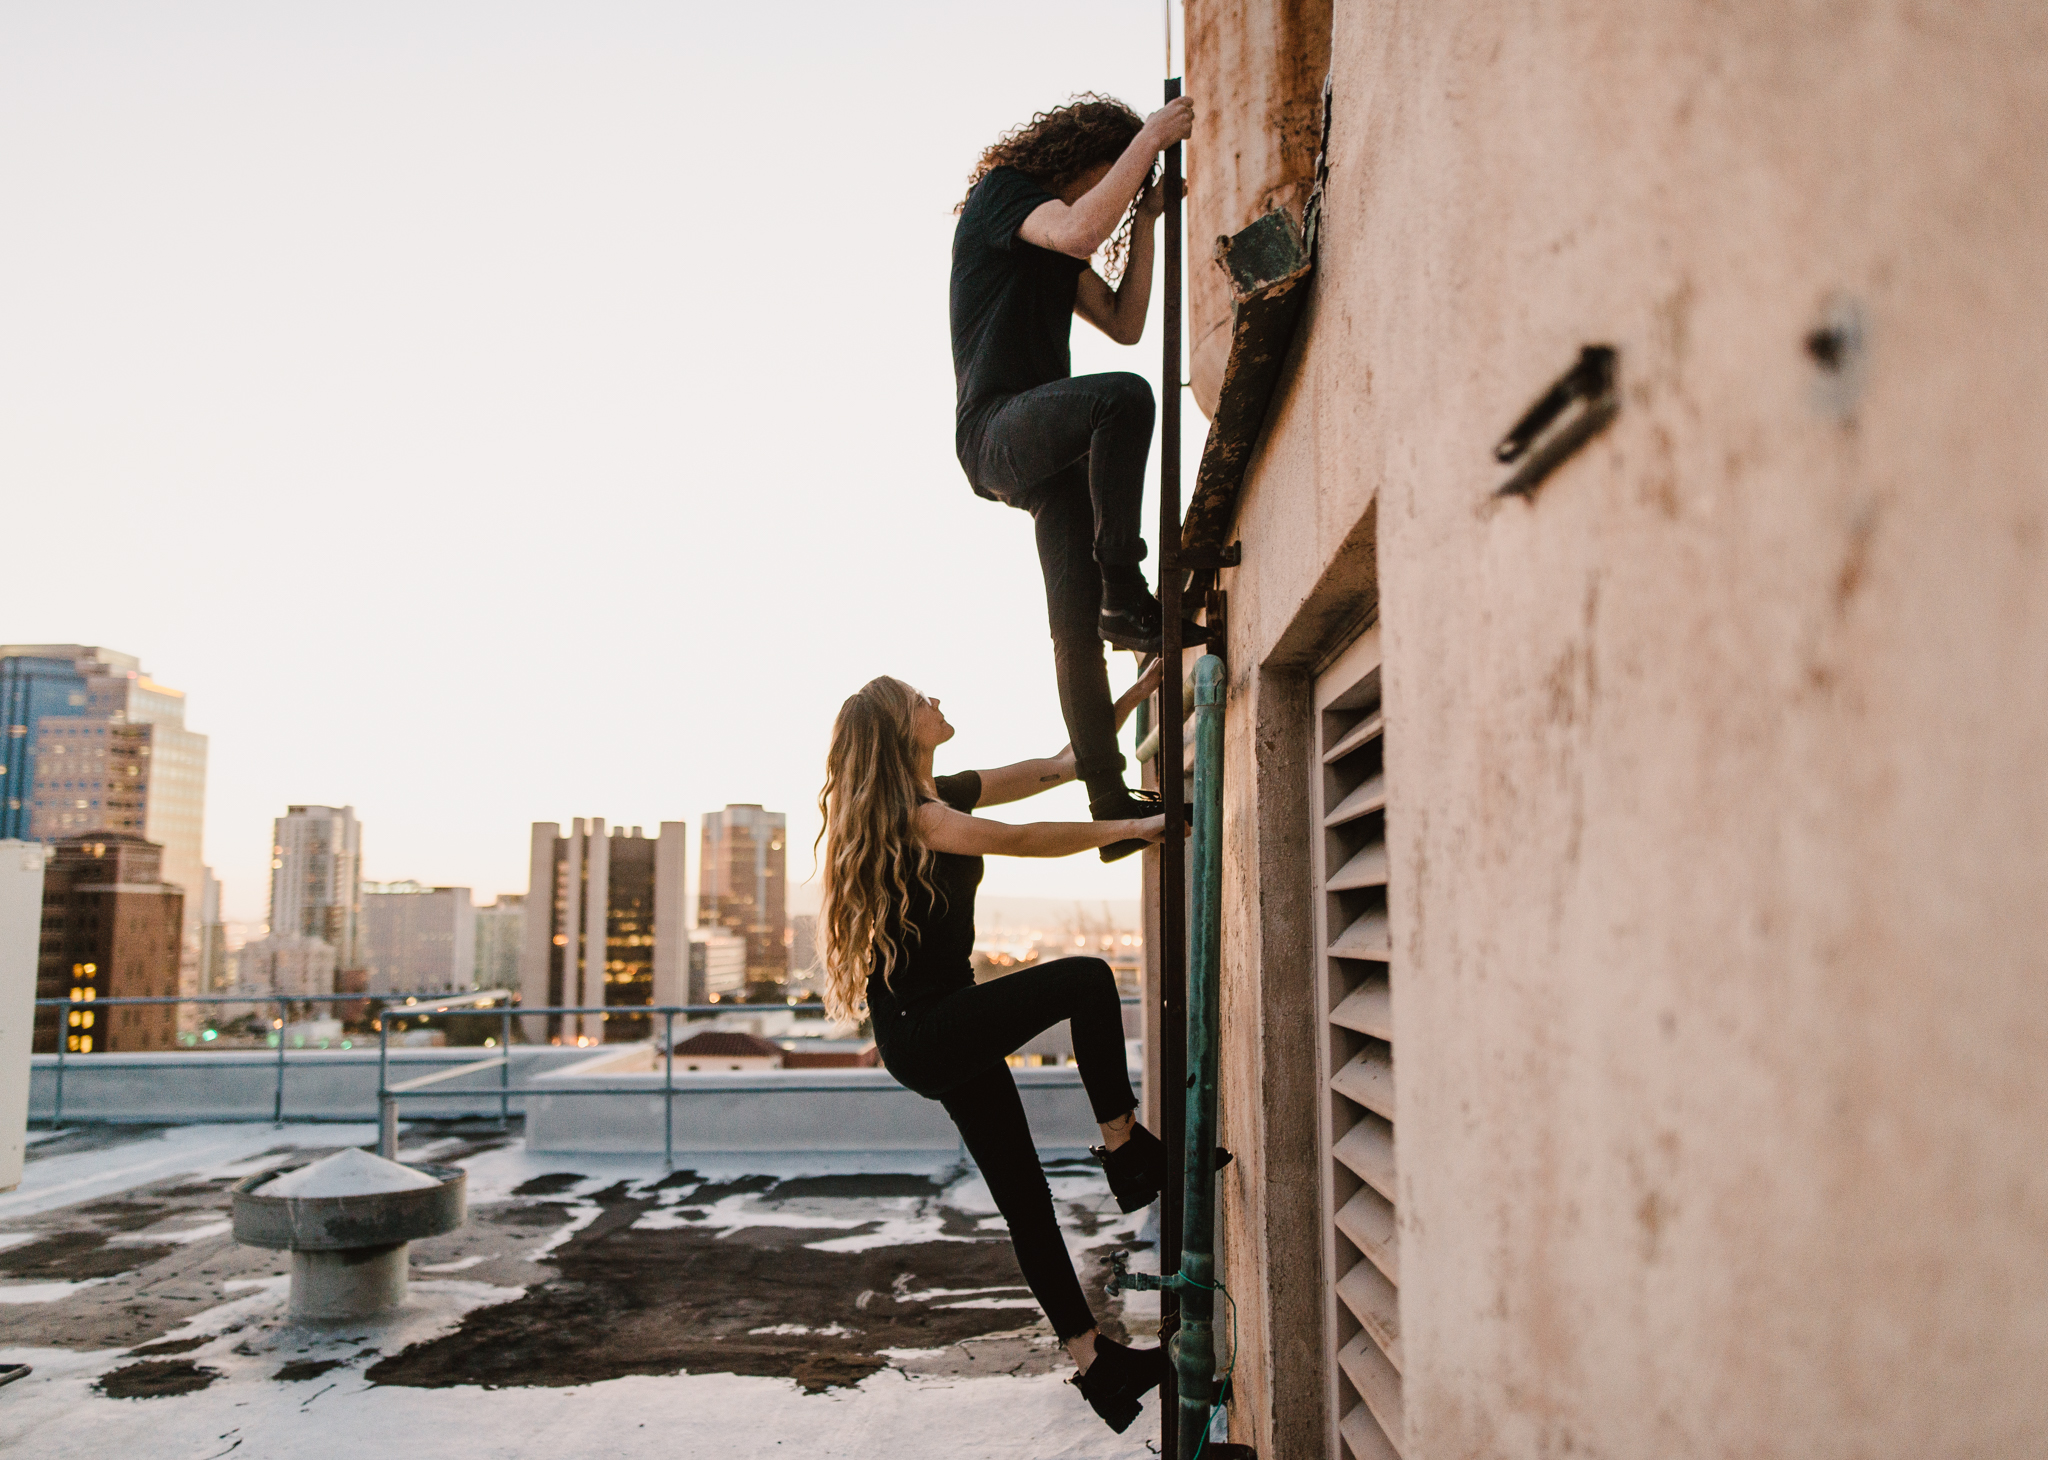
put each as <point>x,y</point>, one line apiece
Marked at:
<point>1172,1021</point>
<point>505,1070</point>
<point>1195,1350</point>
<point>284,1019</point>
<point>387,1103</point>
<point>668,1089</point>
<point>63,1044</point>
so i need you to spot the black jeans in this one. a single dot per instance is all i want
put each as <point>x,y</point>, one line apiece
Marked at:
<point>1072,454</point>
<point>951,1050</point>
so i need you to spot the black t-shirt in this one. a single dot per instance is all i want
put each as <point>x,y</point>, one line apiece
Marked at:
<point>1012,302</point>
<point>939,958</point>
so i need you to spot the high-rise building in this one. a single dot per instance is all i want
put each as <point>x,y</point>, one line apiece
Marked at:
<point>718,969</point>
<point>94,744</point>
<point>288,963</point>
<point>216,972</point>
<point>110,930</point>
<point>497,941</point>
<point>603,923</point>
<point>21,929</point>
<point>316,868</point>
<point>417,940</point>
<point>803,945</point>
<point>741,884</point>
<point>37,684</point>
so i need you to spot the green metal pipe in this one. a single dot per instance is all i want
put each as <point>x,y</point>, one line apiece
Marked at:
<point>1194,1356</point>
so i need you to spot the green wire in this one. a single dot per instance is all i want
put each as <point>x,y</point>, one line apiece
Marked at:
<point>1228,1369</point>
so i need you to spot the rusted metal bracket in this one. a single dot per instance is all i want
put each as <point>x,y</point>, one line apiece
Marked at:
<point>1268,265</point>
<point>1590,383</point>
<point>1210,559</point>
<point>1217,616</point>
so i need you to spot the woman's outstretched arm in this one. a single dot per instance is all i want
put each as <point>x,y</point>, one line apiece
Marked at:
<point>1008,783</point>
<point>947,830</point>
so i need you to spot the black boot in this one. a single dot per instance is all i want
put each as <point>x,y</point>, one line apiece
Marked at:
<point>1123,804</point>
<point>1135,1169</point>
<point>1130,616</point>
<point>1118,1379</point>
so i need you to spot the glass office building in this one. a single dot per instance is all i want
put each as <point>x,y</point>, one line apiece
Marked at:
<point>742,887</point>
<point>94,744</point>
<point>34,687</point>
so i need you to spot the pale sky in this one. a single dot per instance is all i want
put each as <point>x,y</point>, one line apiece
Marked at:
<point>497,412</point>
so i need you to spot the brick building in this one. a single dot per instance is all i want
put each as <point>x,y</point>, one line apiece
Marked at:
<point>111,929</point>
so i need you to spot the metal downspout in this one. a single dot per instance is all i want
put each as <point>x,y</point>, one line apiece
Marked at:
<point>1195,1346</point>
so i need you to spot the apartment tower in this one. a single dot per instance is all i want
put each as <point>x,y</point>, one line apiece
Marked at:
<point>316,870</point>
<point>416,939</point>
<point>604,922</point>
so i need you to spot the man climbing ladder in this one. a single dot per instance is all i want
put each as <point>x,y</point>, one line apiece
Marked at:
<point>1042,202</point>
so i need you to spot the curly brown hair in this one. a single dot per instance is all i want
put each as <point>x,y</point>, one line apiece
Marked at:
<point>1057,146</point>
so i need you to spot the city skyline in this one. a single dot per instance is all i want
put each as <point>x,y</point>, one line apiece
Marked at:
<point>443,312</point>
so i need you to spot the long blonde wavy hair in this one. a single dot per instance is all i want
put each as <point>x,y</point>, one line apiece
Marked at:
<point>872,850</point>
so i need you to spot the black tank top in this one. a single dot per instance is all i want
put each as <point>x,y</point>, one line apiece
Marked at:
<point>935,938</point>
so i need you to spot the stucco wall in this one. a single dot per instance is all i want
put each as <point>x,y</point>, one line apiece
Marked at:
<point>1718,773</point>
<point>1255,72</point>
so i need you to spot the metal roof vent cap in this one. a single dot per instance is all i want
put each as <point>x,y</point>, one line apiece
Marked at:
<point>348,1221</point>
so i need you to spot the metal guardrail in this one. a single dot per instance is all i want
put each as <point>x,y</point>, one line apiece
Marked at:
<point>441,1005</point>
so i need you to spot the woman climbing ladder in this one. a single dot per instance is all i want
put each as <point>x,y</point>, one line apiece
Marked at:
<point>1068,450</point>
<point>902,857</point>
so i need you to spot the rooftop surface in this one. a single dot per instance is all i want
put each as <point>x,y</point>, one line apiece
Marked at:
<point>838,1304</point>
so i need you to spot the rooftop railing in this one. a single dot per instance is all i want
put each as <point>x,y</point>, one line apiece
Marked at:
<point>484,1004</point>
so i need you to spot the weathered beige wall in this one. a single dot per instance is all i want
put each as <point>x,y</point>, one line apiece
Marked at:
<point>1255,73</point>
<point>1719,773</point>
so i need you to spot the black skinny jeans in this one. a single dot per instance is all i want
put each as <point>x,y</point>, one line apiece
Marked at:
<point>951,1050</point>
<point>1072,454</point>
